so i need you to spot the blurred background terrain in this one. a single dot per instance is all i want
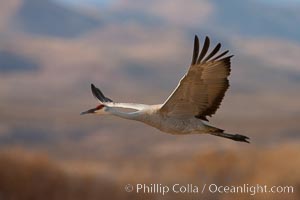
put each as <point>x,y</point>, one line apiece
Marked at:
<point>136,51</point>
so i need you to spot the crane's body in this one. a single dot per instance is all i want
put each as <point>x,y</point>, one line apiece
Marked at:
<point>198,95</point>
<point>172,125</point>
<point>152,117</point>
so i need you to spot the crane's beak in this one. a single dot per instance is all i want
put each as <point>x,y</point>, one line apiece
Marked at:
<point>90,111</point>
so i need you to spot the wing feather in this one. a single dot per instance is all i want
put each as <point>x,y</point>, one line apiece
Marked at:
<point>204,49</point>
<point>216,49</point>
<point>99,95</point>
<point>201,90</point>
<point>221,55</point>
<point>196,50</point>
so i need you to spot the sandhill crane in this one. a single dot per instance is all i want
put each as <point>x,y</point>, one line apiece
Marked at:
<point>198,95</point>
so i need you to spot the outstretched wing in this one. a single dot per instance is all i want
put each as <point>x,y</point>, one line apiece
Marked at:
<point>107,101</point>
<point>99,95</point>
<point>201,90</point>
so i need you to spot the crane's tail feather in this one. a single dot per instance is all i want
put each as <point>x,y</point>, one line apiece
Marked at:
<point>236,137</point>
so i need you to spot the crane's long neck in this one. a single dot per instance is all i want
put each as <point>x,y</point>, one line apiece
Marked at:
<point>124,115</point>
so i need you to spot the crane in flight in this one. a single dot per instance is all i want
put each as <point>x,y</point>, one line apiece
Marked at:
<point>197,96</point>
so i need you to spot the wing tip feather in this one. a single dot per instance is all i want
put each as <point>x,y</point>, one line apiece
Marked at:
<point>99,95</point>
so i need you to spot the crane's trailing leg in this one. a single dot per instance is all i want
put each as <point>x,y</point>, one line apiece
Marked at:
<point>236,137</point>
<point>219,132</point>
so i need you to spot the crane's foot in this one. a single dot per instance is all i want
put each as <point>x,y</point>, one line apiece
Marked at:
<point>236,137</point>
